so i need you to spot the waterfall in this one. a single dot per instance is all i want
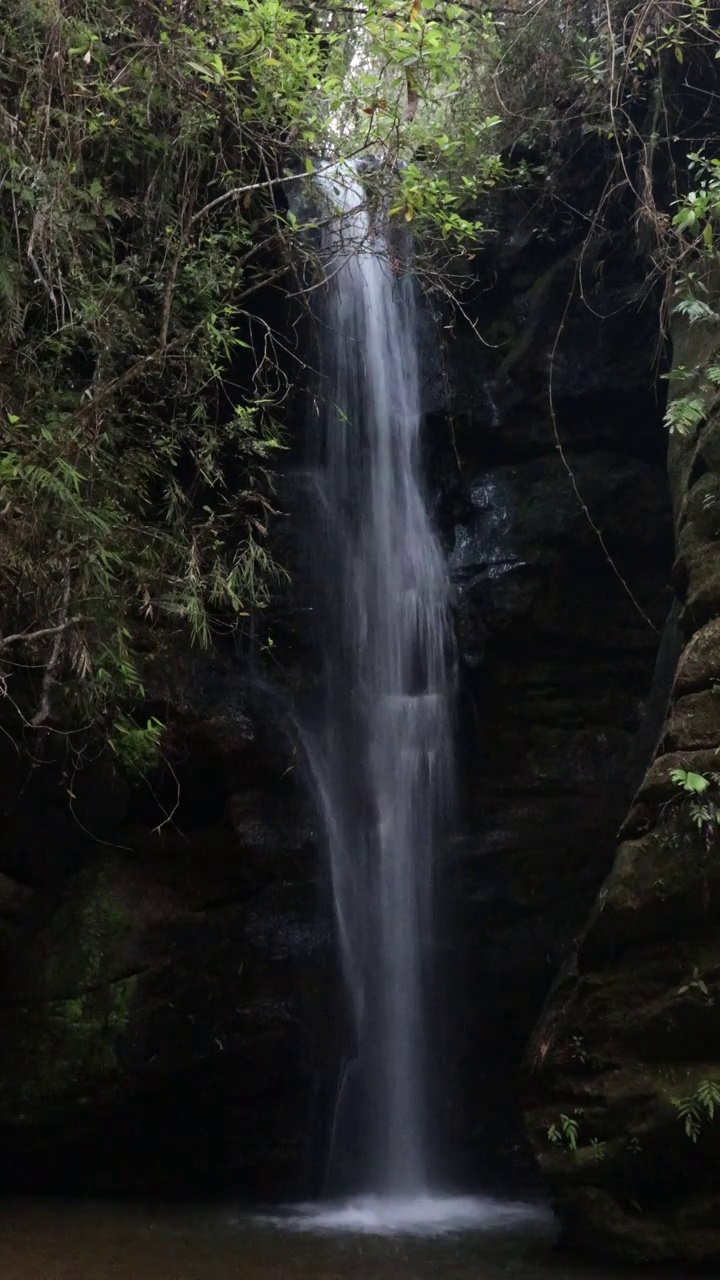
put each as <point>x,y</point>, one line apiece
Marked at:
<point>382,758</point>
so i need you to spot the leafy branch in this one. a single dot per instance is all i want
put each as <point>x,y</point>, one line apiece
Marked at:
<point>698,1107</point>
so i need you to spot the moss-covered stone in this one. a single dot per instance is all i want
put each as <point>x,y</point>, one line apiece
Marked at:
<point>68,1052</point>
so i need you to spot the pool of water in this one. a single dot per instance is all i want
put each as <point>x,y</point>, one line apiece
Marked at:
<point>102,1240</point>
<point>105,1240</point>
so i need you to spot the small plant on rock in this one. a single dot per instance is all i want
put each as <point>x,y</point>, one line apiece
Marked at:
<point>697,982</point>
<point>578,1050</point>
<point>705,816</point>
<point>564,1133</point>
<point>705,813</point>
<point>136,747</point>
<point>695,783</point>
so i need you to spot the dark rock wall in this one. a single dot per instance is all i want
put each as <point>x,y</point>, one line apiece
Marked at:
<point>629,1042</point>
<point>560,563</point>
<point>166,970</point>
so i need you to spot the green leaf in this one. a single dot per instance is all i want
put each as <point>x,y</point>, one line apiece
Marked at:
<point>684,414</point>
<point>696,310</point>
<point>692,782</point>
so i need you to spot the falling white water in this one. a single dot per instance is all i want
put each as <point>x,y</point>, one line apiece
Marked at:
<point>382,760</point>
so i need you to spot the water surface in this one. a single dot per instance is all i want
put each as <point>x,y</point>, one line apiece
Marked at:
<point>75,1240</point>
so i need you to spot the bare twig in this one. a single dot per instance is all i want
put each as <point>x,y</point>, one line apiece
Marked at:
<point>29,636</point>
<point>43,712</point>
<point>571,474</point>
<point>234,192</point>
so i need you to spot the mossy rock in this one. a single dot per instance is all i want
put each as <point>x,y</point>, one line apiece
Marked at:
<point>64,1053</point>
<point>94,936</point>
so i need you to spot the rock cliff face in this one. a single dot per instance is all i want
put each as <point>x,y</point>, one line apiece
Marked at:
<point>560,559</point>
<point>165,971</point>
<point>628,1047</point>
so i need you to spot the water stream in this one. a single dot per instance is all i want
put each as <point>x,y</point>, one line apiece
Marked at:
<point>383,756</point>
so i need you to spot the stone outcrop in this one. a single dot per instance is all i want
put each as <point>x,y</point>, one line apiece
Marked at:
<point>165,965</point>
<point>560,563</point>
<point>625,1063</point>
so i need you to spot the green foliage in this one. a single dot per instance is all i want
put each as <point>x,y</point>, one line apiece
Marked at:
<point>695,221</point>
<point>687,411</point>
<point>695,783</point>
<point>132,494</point>
<point>685,414</point>
<point>136,747</point>
<point>564,1133</point>
<point>578,1050</point>
<point>141,152</point>
<point>433,202</point>
<point>698,1108</point>
<point>696,311</point>
<point>705,815</point>
<point>399,77</point>
<point>591,69</point>
<point>696,983</point>
<point>602,59</point>
<point>408,83</point>
<point>699,209</point>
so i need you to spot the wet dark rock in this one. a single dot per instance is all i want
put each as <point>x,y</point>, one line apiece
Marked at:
<point>14,897</point>
<point>628,1044</point>
<point>560,565</point>
<point>167,984</point>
